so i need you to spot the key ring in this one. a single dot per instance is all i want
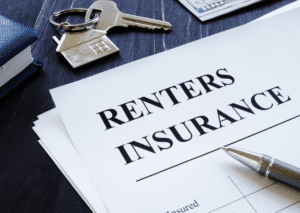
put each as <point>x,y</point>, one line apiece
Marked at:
<point>72,27</point>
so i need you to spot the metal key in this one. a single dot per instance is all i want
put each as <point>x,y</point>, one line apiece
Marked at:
<point>112,17</point>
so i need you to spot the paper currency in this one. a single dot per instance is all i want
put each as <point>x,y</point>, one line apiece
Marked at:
<point>209,9</point>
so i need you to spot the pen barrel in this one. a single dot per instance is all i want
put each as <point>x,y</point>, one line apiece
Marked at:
<point>285,173</point>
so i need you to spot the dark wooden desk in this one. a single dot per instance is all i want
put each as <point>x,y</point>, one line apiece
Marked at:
<point>29,180</point>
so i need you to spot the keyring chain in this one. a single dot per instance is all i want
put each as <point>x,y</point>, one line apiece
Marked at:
<point>72,27</point>
<point>60,26</point>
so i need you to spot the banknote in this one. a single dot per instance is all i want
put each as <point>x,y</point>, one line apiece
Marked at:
<point>209,9</point>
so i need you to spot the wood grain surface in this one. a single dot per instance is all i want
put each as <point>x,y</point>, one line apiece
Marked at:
<point>29,180</point>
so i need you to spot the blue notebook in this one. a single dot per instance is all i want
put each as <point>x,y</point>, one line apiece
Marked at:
<point>16,62</point>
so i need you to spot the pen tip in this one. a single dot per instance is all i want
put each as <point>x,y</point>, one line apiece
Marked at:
<point>224,149</point>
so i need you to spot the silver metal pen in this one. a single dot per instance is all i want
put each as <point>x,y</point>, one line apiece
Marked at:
<point>267,166</point>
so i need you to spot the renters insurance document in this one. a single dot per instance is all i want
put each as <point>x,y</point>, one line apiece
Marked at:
<point>149,132</point>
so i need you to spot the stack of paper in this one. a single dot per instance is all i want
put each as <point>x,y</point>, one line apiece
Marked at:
<point>145,137</point>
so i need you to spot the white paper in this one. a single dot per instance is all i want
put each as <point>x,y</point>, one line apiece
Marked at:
<point>58,145</point>
<point>259,56</point>
<point>283,9</point>
<point>63,164</point>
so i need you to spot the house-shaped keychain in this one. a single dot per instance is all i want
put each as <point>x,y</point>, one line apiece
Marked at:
<point>82,47</point>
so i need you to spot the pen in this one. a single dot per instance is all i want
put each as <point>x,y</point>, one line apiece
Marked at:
<point>267,166</point>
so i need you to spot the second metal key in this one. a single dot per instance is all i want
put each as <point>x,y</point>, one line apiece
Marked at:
<point>112,17</point>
